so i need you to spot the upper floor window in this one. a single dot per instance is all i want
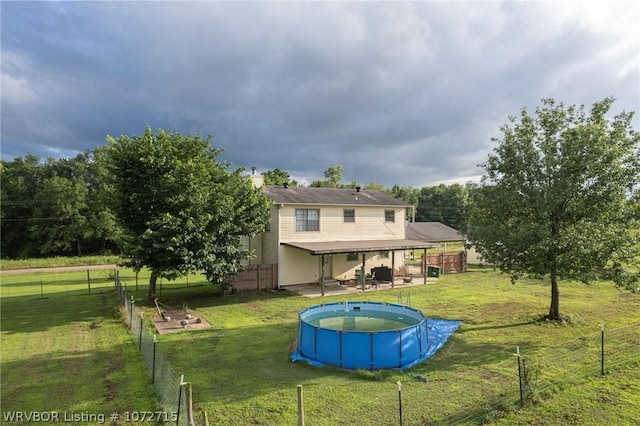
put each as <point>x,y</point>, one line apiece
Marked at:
<point>389,215</point>
<point>349,215</point>
<point>384,254</point>
<point>307,220</point>
<point>351,256</point>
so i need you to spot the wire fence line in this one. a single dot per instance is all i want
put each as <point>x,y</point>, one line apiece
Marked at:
<point>59,283</point>
<point>539,373</point>
<point>174,394</point>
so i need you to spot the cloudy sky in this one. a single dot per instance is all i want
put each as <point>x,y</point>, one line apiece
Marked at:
<point>397,93</point>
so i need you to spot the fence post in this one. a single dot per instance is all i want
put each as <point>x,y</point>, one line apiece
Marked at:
<point>400,400</point>
<point>131,313</point>
<point>136,280</point>
<point>602,349</point>
<point>179,398</point>
<point>140,337</point>
<point>41,290</point>
<point>189,405</point>
<point>519,374</point>
<point>300,406</point>
<point>153,363</point>
<point>89,281</point>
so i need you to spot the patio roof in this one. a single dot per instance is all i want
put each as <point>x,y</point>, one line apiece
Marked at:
<point>332,247</point>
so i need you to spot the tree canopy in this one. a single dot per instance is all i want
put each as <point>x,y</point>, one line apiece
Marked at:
<point>447,204</point>
<point>57,207</point>
<point>558,197</point>
<point>333,178</point>
<point>278,177</point>
<point>181,209</point>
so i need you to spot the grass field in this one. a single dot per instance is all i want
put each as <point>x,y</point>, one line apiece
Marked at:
<point>245,376</point>
<point>242,373</point>
<point>70,354</point>
<point>53,262</point>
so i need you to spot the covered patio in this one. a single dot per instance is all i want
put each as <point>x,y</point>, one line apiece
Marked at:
<point>325,248</point>
<point>334,288</point>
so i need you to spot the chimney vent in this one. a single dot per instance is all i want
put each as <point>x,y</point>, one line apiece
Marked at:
<point>254,170</point>
<point>357,189</point>
<point>286,184</point>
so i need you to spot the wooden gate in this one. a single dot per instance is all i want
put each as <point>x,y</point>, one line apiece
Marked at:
<point>448,262</point>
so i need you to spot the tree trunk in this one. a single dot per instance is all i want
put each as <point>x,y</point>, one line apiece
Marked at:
<point>554,310</point>
<point>151,295</point>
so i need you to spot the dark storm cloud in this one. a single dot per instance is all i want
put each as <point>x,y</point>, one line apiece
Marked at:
<point>398,93</point>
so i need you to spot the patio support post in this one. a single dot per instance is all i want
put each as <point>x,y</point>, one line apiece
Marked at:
<point>363,275</point>
<point>393,266</point>
<point>322,274</point>
<point>424,272</point>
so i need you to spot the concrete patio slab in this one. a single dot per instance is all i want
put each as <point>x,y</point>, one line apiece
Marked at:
<point>333,288</point>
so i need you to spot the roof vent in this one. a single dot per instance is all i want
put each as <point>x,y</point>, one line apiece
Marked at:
<point>286,184</point>
<point>254,170</point>
<point>358,189</point>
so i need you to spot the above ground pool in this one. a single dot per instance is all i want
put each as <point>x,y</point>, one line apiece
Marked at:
<point>368,335</point>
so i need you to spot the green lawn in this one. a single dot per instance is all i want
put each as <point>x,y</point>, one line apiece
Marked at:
<point>242,374</point>
<point>69,354</point>
<point>52,262</point>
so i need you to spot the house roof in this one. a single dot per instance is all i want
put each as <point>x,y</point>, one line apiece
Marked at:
<point>432,232</point>
<point>330,196</point>
<point>332,247</point>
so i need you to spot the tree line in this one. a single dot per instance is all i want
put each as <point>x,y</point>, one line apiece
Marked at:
<point>65,207</point>
<point>57,207</point>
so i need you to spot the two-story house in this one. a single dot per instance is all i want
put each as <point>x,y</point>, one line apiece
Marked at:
<point>316,234</point>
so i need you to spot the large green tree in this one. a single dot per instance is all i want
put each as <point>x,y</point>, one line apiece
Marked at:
<point>181,209</point>
<point>278,177</point>
<point>59,223</point>
<point>333,178</point>
<point>21,180</point>
<point>447,204</point>
<point>556,199</point>
<point>409,195</point>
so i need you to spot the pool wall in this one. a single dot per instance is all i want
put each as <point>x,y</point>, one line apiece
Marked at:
<point>352,349</point>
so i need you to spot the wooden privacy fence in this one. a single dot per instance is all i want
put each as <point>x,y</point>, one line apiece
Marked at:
<point>448,262</point>
<point>256,277</point>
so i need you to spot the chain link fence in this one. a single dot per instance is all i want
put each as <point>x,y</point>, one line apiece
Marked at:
<point>174,394</point>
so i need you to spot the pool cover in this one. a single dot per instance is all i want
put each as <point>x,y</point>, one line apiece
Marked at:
<point>438,332</point>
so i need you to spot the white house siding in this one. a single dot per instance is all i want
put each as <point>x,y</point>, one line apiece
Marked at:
<point>270,239</point>
<point>369,224</point>
<point>298,266</point>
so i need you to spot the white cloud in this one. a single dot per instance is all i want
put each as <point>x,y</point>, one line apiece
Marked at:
<point>398,93</point>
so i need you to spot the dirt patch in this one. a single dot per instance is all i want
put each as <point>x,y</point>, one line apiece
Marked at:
<point>111,390</point>
<point>172,322</point>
